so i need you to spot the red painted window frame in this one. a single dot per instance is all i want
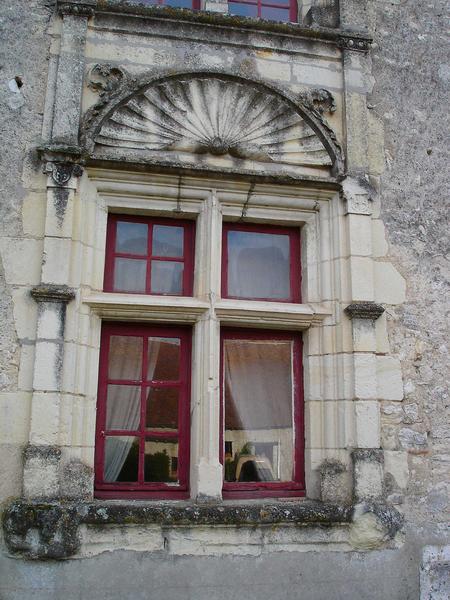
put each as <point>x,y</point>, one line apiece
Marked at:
<point>141,489</point>
<point>187,259</point>
<point>195,4</point>
<point>295,258</point>
<point>290,4</point>
<point>284,489</point>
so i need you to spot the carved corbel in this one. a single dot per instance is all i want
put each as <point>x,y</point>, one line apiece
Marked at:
<point>48,292</point>
<point>62,172</point>
<point>364,310</point>
<point>105,78</point>
<point>318,100</point>
<point>77,8</point>
<point>356,42</point>
<point>356,194</point>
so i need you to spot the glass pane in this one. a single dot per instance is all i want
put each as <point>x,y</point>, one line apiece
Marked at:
<point>121,458</point>
<point>131,238</point>
<point>163,359</point>
<point>284,3</point>
<point>167,241</point>
<point>161,460</point>
<point>258,265</point>
<point>258,410</point>
<point>179,3</point>
<point>123,407</point>
<point>129,275</point>
<point>275,14</point>
<point>125,357</point>
<point>162,409</point>
<point>243,10</point>
<point>167,277</point>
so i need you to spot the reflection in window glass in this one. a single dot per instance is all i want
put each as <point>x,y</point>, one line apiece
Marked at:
<point>125,357</point>
<point>129,275</point>
<point>258,398</point>
<point>258,265</point>
<point>275,14</point>
<point>161,460</point>
<point>163,361</point>
<point>167,277</point>
<point>167,241</point>
<point>162,409</point>
<point>243,10</point>
<point>123,407</point>
<point>131,238</point>
<point>121,458</point>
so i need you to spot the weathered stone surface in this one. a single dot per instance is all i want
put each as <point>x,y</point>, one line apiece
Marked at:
<point>394,139</point>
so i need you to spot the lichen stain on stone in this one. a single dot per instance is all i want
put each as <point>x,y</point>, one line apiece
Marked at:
<point>60,199</point>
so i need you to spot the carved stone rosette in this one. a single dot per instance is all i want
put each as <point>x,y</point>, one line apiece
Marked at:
<point>62,172</point>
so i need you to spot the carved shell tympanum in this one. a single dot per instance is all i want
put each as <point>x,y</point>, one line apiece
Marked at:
<point>215,116</point>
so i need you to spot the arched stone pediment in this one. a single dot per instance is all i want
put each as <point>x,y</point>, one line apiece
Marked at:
<point>220,121</point>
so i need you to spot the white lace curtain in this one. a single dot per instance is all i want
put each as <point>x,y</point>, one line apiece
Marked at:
<point>123,409</point>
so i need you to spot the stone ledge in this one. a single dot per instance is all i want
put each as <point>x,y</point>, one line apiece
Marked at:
<point>49,530</point>
<point>49,292</point>
<point>314,31</point>
<point>364,310</point>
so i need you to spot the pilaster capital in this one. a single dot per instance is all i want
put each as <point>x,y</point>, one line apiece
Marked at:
<point>48,292</point>
<point>356,193</point>
<point>77,8</point>
<point>61,162</point>
<point>364,310</point>
<point>356,42</point>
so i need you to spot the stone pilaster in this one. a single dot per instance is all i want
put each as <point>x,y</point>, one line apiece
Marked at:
<point>52,295</point>
<point>70,73</point>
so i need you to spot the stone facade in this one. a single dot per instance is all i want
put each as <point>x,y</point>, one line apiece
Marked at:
<point>334,125</point>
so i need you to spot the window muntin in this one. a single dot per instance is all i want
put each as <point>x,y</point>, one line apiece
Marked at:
<point>261,263</point>
<point>262,414</point>
<point>149,256</point>
<point>272,10</point>
<point>142,446</point>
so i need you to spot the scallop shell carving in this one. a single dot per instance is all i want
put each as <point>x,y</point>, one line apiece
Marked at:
<point>215,116</point>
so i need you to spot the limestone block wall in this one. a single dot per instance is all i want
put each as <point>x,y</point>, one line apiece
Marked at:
<point>374,238</point>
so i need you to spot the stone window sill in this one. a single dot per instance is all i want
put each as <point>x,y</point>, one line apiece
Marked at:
<point>50,529</point>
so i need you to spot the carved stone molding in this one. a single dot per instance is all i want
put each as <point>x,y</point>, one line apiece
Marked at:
<point>62,172</point>
<point>320,100</point>
<point>52,293</point>
<point>192,117</point>
<point>212,116</point>
<point>354,42</point>
<point>77,8</point>
<point>104,78</point>
<point>364,310</point>
<point>356,193</point>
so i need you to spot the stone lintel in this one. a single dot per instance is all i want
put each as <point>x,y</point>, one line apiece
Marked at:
<point>364,310</point>
<point>47,292</point>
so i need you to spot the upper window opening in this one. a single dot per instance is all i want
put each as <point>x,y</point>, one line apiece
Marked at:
<point>261,263</point>
<point>149,256</point>
<point>193,4</point>
<point>272,10</point>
